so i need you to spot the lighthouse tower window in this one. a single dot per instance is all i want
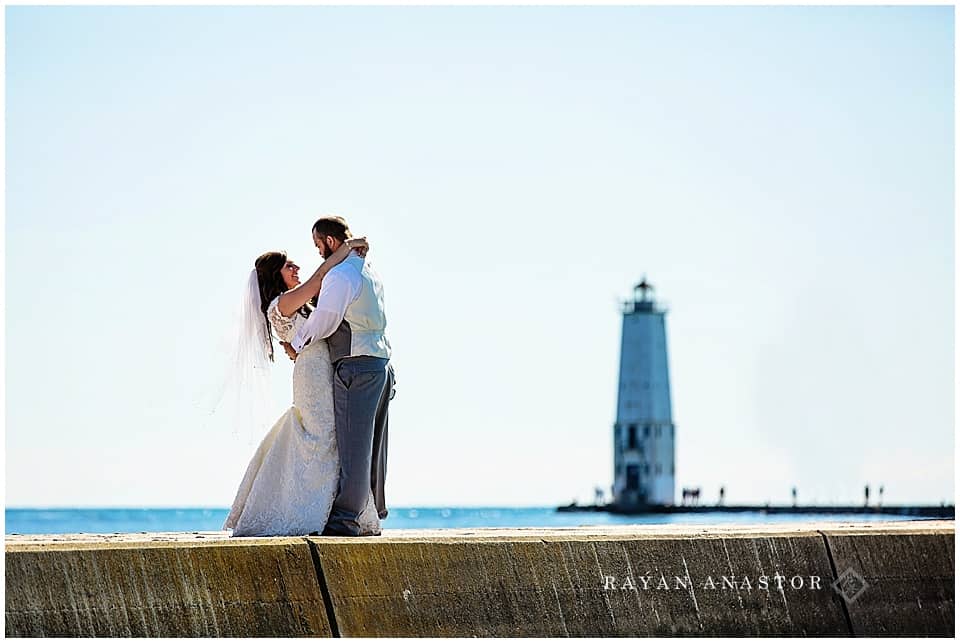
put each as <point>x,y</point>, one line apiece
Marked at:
<point>632,436</point>
<point>646,431</point>
<point>633,477</point>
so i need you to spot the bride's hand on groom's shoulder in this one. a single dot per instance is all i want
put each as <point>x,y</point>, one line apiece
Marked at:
<point>359,244</point>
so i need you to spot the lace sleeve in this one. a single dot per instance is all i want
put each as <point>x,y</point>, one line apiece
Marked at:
<point>285,327</point>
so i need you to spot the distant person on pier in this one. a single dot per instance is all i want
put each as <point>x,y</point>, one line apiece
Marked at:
<point>880,500</point>
<point>720,502</point>
<point>866,495</point>
<point>794,494</point>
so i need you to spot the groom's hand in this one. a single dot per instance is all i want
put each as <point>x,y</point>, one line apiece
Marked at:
<point>292,354</point>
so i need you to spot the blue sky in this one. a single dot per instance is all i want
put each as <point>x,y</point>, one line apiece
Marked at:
<point>784,177</point>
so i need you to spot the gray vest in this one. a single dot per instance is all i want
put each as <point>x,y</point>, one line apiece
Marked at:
<point>362,330</point>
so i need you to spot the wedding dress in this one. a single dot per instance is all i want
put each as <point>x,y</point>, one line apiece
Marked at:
<point>292,480</point>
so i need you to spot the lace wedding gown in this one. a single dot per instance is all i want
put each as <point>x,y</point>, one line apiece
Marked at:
<point>292,480</point>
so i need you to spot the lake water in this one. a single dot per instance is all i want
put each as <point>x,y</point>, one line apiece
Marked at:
<point>133,520</point>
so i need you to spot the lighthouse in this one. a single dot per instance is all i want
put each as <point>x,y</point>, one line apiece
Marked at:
<point>643,436</point>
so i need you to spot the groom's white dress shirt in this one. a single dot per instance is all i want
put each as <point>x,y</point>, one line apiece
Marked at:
<point>340,288</point>
<point>351,293</point>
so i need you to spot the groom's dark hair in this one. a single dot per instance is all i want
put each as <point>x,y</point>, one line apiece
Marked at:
<point>335,227</point>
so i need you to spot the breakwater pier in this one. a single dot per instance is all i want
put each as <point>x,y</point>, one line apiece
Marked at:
<point>803,578</point>
<point>921,511</point>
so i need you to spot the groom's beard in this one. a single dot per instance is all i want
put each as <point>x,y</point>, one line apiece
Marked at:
<point>327,249</point>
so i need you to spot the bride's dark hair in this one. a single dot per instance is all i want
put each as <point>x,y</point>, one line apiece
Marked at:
<point>270,281</point>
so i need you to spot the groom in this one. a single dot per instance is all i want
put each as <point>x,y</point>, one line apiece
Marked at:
<point>349,314</point>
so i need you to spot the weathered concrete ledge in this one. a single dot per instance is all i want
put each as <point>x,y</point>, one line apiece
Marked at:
<point>897,578</point>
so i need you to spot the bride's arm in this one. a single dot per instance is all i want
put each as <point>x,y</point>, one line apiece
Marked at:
<point>294,298</point>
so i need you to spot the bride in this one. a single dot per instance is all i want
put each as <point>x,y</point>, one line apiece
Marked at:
<point>291,482</point>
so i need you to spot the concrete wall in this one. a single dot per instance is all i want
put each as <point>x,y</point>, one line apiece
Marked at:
<point>490,582</point>
<point>168,587</point>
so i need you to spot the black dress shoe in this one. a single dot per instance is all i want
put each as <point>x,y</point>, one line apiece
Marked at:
<point>327,531</point>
